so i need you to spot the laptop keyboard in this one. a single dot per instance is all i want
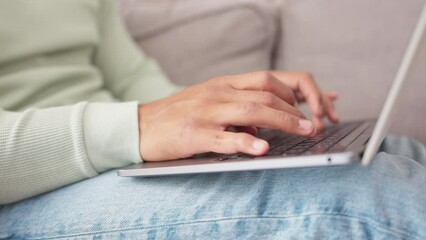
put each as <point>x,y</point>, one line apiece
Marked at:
<point>289,144</point>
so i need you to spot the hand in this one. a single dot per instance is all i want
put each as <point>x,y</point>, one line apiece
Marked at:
<point>196,119</point>
<point>306,90</point>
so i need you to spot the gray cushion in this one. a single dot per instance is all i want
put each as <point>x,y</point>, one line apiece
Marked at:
<point>195,40</point>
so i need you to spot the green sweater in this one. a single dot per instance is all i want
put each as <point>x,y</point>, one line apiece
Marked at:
<point>70,82</point>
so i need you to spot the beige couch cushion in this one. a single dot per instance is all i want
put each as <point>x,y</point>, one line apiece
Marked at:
<point>355,47</point>
<point>195,40</point>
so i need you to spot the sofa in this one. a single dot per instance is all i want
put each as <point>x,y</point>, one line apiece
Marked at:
<point>353,47</point>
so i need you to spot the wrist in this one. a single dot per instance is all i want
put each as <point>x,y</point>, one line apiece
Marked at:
<point>142,113</point>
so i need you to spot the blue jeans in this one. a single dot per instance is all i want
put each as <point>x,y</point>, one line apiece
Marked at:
<point>386,200</point>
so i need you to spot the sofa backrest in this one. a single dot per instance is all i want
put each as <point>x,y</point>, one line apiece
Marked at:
<point>196,40</point>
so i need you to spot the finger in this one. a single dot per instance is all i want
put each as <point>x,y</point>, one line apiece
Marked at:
<point>331,95</point>
<point>230,142</point>
<point>265,98</point>
<point>305,84</point>
<point>256,114</point>
<point>262,81</point>
<point>318,123</point>
<point>299,97</point>
<point>252,130</point>
<point>329,109</point>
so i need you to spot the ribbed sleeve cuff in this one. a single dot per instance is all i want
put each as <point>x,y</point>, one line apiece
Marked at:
<point>111,134</point>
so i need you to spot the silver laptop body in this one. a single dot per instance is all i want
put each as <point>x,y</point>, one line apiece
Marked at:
<point>340,144</point>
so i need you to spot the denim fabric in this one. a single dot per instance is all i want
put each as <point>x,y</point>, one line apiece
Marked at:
<point>386,200</point>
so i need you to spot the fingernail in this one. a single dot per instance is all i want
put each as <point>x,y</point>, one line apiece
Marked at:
<point>306,125</point>
<point>259,145</point>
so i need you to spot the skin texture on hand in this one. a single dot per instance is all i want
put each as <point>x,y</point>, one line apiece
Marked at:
<point>222,115</point>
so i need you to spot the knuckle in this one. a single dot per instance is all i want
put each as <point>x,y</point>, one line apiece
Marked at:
<point>249,107</point>
<point>215,80</point>
<point>291,98</point>
<point>198,106</point>
<point>222,81</point>
<point>282,117</point>
<point>307,76</point>
<point>218,138</point>
<point>242,141</point>
<point>285,119</point>
<point>268,98</point>
<point>265,78</point>
<point>315,96</point>
<point>318,97</point>
<point>299,114</point>
<point>209,91</point>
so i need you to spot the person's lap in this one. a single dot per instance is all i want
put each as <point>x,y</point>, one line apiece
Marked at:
<point>385,200</point>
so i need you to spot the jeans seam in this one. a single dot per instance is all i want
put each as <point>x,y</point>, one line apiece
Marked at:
<point>378,226</point>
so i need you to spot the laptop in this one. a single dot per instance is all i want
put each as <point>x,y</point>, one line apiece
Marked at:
<point>340,144</point>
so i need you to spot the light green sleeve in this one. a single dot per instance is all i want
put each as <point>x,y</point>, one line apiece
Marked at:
<point>44,149</point>
<point>128,73</point>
